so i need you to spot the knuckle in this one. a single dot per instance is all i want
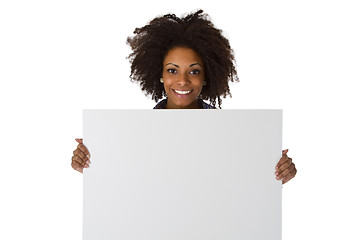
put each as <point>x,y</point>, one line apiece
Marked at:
<point>82,153</point>
<point>75,165</point>
<point>78,166</point>
<point>283,167</point>
<point>79,160</point>
<point>292,166</point>
<point>85,150</point>
<point>79,153</point>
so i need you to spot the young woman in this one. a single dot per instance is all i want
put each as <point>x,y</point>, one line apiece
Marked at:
<point>186,60</point>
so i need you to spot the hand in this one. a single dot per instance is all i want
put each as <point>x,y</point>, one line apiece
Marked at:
<point>285,169</point>
<point>81,156</point>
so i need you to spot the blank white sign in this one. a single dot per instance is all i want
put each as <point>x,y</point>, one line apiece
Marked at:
<point>195,174</point>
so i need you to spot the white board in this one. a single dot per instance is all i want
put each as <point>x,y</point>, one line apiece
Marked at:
<point>182,174</point>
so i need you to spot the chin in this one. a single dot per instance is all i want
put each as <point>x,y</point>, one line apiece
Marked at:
<point>184,104</point>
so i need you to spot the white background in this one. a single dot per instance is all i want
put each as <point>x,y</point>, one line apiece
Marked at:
<point>59,57</point>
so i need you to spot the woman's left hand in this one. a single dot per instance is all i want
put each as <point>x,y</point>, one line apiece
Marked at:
<point>285,169</point>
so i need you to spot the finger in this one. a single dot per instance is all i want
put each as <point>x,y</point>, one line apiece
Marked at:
<point>79,140</point>
<point>283,159</point>
<point>84,162</point>
<point>77,166</point>
<point>79,160</point>
<point>286,171</point>
<point>285,165</point>
<point>284,154</point>
<point>290,176</point>
<point>82,155</point>
<point>84,149</point>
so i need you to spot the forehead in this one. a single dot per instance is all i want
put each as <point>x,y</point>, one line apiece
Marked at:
<point>182,55</point>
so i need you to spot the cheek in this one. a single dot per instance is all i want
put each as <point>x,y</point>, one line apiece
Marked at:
<point>198,88</point>
<point>198,91</point>
<point>198,82</point>
<point>168,81</point>
<point>167,86</point>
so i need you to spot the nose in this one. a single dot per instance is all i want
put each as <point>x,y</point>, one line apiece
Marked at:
<point>183,80</point>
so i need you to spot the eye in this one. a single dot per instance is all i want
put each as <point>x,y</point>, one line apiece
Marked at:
<point>171,70</point>
<point>195,71</point>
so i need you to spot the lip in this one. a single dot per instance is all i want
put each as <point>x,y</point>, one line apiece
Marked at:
<point>182,95</point>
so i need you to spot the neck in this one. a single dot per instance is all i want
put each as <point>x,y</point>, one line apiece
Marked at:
<point>193,105</point>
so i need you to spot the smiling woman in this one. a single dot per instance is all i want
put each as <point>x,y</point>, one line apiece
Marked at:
<point>183,77</point>
<point>186,60</point>
<point>189,53</point>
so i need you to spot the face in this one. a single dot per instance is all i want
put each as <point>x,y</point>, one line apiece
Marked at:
<point>183,76</point>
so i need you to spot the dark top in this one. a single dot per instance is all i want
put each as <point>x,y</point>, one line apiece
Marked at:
<point>202,104</point>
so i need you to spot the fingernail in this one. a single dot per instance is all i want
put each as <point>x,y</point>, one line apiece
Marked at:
<point>277,177</point>
<point>87,161</point>
<point>276,168</point>
<point>277,173</point>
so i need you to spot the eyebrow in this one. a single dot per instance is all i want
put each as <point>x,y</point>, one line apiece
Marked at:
<point>195,64</point>
<point>179,67</point>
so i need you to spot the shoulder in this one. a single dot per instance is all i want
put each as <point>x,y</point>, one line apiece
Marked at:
<point>161,104</point>
<point>205,105</point>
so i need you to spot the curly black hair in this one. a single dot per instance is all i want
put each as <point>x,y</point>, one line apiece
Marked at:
<point>151,43</point>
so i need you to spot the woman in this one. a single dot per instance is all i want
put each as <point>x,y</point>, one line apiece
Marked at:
<point>184,60</point>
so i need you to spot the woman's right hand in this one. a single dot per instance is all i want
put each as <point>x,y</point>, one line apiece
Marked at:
<point>81,157</point>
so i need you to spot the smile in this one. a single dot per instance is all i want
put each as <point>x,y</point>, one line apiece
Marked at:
<point>182,92</point>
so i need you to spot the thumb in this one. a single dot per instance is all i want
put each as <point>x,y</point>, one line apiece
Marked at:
<point>79,140</point>
<point>285,151</point>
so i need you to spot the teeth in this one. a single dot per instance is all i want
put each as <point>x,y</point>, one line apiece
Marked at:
<point>182,92</point>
